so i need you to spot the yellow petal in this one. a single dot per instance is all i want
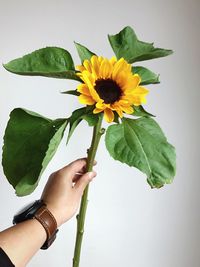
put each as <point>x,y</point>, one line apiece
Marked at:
<point>108,115</point>
<point>136,96</point>
<point>122,80</point>
<point>100,59</point>
<point>87,100</point>
<point>95,65</point>
<point>94,94</point>
<point>119,112</point>
<point>135,100</point>
<point>100,105</point>
<point>88,79</point>
<point>119,66</point>
<point>143,99</point>
<point>87,65</point>
<point>83,89</point>
<point>128,110</point>
<point>133,82</point>
<point>113,60</point>
<point>105,69</point>
<point>123,102</point>
<point>141,90</point>
<point>97,110</point>
<point>80,68</point>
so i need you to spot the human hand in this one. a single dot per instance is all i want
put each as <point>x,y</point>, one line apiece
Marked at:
<point>64,189</point>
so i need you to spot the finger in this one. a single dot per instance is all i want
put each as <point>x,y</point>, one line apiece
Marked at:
<point>94,163</point>
<point>84,181</point>
<point>79,165</point>
<point>79,174</point>
<point>74,167</point>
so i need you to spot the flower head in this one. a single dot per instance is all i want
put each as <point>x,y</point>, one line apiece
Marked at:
<point>110,85</point>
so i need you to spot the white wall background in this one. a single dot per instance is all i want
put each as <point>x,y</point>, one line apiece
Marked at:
<point>128,224</point>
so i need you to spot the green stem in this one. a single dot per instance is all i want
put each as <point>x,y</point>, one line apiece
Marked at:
<point>97,132</point>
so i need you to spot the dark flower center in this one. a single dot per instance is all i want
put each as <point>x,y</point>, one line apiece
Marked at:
<point>108,90</point>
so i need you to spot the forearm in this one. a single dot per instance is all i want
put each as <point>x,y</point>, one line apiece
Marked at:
<point>22,241</point>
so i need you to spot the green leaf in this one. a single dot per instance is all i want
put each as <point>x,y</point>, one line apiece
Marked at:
<point>71,92</point>
<point>142,144</point>
<point>139,111</point>
<point>91,118</point>
<point>84,52</point>
<point>126,44</point>
<point>116,117</point>
<point>74,120</point>
<point>78,115</point>
<point>30,142</point>
<point>147,76</point>
<point>52,62</point>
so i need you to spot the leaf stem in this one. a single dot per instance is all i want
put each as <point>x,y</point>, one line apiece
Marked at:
<point>97,133</point>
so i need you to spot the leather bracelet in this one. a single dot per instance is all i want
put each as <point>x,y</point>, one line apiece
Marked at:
<point>39,211</point>
<point>46,218</point>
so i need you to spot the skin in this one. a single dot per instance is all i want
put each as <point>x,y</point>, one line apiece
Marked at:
<point>62,194</point>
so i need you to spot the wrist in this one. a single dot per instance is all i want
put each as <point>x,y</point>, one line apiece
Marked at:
<point>39,211</point>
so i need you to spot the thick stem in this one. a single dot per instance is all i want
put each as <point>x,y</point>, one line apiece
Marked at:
<point>97,132</point>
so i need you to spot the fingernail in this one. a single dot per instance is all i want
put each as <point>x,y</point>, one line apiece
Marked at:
<point>92,175</point>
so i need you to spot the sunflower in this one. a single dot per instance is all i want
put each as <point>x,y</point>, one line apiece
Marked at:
<point>110,85</point>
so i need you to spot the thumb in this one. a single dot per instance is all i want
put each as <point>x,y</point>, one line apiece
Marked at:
<point>84,181</point>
